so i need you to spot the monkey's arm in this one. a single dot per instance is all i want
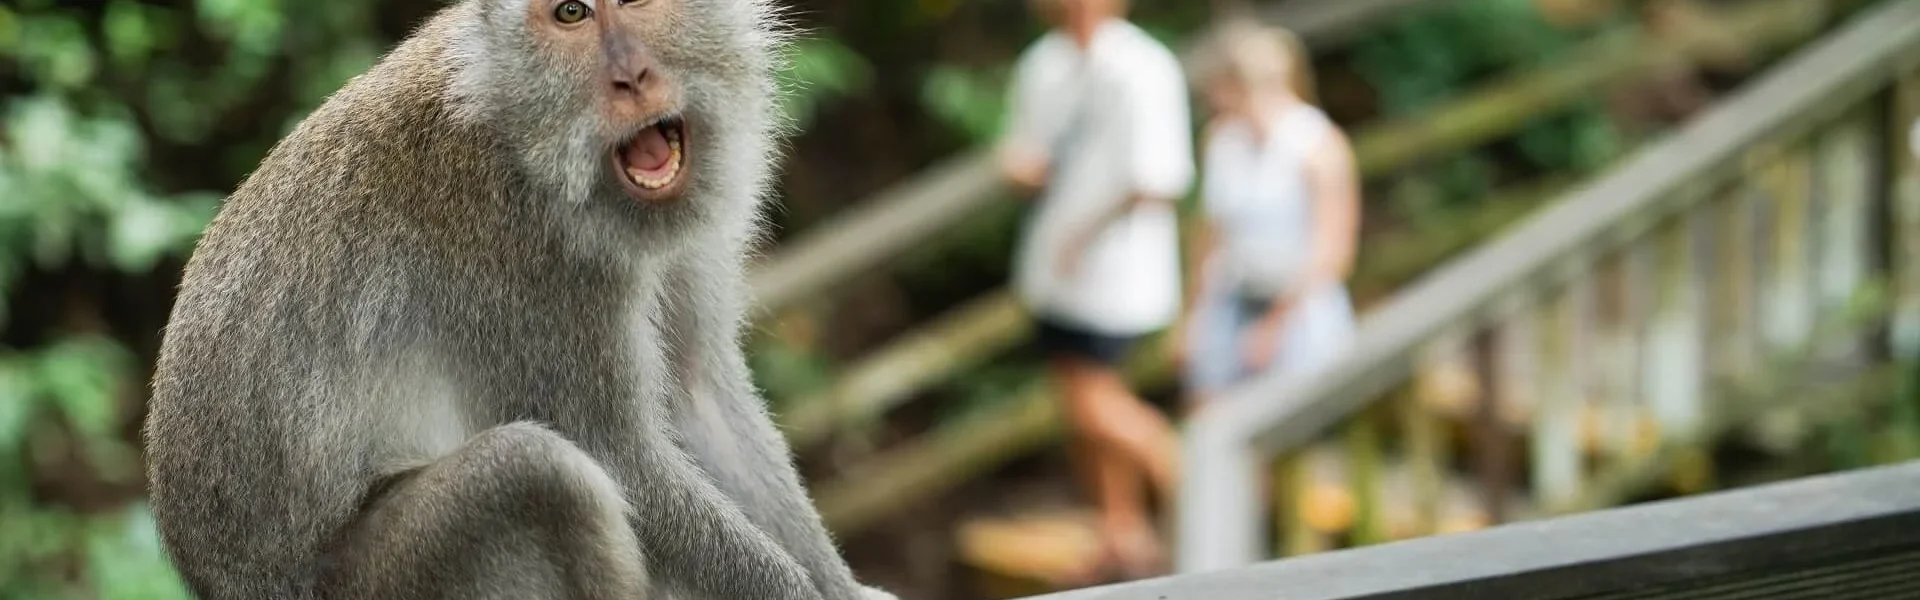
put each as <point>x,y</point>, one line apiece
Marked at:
<point>727,427</point>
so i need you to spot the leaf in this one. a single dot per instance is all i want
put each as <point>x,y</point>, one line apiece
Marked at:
<point>9,31</point>
<point>965,100</point>
<point>55,51</point>
<point>18,403</point>
<point>125,560</point>
<point>141,233</point>
<point>81,375</point>
<point>40,127</point>
<point>130,36</point>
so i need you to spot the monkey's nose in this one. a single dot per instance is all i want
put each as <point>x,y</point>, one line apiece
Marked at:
<point>629,67</point>
<point>631,84</point>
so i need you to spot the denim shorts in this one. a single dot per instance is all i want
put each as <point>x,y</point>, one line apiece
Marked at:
<point>1315,333</point>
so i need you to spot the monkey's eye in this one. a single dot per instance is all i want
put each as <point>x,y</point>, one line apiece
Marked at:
<point>571,11</point>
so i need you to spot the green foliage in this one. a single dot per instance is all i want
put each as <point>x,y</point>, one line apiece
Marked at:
<point>69,184</point>
<point>75,383</point>
<point>1423,61</point>
<point>970,101</point>
<point>786,371</point>
<point>92,90</point>
<point>822,70</point>
<point>72,194</point>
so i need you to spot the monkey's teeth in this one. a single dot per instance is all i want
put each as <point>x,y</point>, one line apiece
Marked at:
<point>674,158</point>
<point>673,166</point>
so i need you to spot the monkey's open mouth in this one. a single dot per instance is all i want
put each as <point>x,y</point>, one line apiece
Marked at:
<point>651,163</point>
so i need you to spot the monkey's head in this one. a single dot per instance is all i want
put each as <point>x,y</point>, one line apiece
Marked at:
<point>646,109</point>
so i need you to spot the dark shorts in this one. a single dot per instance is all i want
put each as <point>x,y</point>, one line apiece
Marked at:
<point>1056,338</point>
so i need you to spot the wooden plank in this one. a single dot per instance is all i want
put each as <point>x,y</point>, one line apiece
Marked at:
<point>1822,525</point>
<point>863,495</point>
<point>930,353</point>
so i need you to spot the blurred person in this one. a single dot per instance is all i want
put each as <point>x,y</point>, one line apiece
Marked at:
<point>1281,212</point>
<point>1099,129</point>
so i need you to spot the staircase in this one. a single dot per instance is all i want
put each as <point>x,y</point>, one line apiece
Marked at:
<point>1741,278</point>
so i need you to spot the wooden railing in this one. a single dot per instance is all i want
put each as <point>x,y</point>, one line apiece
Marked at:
<point>1736,272</point>
<point>988,325</point>
<point>1849,535</point>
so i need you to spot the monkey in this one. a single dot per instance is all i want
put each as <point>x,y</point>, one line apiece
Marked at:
<point>471,329</point>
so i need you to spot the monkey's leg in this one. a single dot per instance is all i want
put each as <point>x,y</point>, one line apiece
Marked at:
<point>518,512</point>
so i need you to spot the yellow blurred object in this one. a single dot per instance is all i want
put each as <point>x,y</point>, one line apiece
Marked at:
<point>1448,387</point>
<point>1049,546</point>
<point>1327,507</point>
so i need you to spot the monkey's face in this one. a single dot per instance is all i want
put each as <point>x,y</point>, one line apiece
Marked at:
<point>637,97</point>
<point>664,106</point>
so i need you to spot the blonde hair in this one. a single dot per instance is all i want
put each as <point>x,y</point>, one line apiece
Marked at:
<point>1254,55</point>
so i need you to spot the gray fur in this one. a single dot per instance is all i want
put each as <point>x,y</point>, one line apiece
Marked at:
<point>428,350</point>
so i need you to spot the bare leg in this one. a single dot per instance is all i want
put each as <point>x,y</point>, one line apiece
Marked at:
<point>1124,525</point>
<point>1126,442</point>
<point>518,512</point>
<point>1105,409</point>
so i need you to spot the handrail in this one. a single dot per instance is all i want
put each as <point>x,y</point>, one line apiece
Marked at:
<point>1858,531</point>
<point>905,214</point>
<point>1225,442</point>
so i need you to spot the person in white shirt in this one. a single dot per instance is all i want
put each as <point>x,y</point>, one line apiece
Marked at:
<point>1099,128</point>
<point>1282,210</point>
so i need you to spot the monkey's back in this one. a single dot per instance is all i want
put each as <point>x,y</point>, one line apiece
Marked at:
<point>300,286</point>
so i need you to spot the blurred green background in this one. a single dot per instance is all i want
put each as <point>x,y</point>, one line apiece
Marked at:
<point>123,122</point>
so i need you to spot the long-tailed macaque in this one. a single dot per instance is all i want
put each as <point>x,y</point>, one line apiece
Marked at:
<point>471,329</point>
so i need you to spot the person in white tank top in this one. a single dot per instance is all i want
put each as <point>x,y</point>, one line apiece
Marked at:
<point>1280,194</point>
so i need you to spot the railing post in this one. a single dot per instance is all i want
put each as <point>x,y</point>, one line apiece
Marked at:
<point>1902,190</point>
<point>1734,335</point>
<point>1904,194</point>
<point>1219,500</point>
<point>1845,181</point>
<point>1673,376</point>
<point>1556,461</point>
<point>1788,306</point>
<point>1492,455</point>
<point>1621,423</point>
